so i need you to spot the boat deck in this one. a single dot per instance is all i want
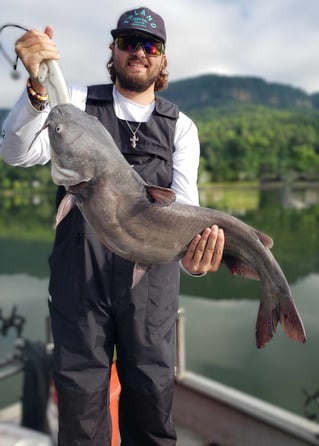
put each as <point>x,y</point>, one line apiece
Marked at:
<point>186,437</point>
<point>217,415</point>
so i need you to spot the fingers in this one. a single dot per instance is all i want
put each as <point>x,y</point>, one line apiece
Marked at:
<point>49,31</point>
<point>34,47</point>
<point>205,252</point>
<point>214,255</point>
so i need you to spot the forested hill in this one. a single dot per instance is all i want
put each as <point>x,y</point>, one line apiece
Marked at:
<point>251,129</point>
<point>218,91</point>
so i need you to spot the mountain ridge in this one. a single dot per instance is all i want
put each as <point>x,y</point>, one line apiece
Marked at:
<point>214,90</point>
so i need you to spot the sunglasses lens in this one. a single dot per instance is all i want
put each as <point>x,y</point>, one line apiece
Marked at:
<point>130,43</point>
<point>153,48</point>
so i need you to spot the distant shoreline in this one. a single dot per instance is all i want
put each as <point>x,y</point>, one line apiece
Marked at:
<point>298,184</point>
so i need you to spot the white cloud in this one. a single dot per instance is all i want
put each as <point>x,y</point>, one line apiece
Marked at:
<point>274,39</point>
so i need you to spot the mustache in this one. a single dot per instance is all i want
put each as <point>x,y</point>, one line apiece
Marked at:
<point>136,58</point>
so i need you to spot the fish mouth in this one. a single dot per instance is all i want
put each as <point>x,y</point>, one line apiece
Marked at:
<point>77,188</point>
<point>68,178</point>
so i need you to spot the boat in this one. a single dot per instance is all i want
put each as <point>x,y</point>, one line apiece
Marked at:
<point>11,434</point>
<point>206,412</point>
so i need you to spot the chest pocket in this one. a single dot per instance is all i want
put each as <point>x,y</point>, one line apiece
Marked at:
<point>153,169</point>
<point>153,163</point>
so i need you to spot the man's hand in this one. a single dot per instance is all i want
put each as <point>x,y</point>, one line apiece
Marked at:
<point>205,252</point>
<point>33,48</point>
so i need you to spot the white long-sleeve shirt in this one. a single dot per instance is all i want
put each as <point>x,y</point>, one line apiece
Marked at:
<point>23,123</point>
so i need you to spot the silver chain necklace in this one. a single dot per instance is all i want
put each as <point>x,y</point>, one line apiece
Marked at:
<point>134,139</point>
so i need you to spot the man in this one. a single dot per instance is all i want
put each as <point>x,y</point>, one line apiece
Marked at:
<point>92,305</point>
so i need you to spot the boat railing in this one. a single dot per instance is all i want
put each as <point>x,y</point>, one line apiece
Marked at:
<point>12,363</point>
<point>180,344</point>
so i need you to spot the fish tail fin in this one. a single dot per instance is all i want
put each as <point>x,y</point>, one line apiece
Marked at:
<point>286,313</point>
<point>266,325</point>
<point>291,321</point>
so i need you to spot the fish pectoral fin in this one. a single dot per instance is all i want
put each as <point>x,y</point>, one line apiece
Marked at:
<point>238,268</point>
<point>161,196</point>
<point>265,239</point>
<point>139,271</point>
<point>68,203</point>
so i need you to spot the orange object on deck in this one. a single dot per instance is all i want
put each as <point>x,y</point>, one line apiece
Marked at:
<point>115,389</point>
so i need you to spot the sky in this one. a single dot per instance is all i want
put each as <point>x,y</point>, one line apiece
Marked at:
<point>277,40</point>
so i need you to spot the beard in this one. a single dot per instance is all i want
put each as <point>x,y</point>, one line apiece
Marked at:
<point>132,82</point>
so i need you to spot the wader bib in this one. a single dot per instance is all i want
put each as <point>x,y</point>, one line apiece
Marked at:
<point>93,308</point>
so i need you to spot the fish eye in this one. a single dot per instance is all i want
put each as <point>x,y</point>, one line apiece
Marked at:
<point>59,128</point>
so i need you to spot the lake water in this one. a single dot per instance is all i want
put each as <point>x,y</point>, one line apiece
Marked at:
<point>220,309</point>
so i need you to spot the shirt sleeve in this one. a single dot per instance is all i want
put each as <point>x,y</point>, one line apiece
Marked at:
<point>23,143</point>
<point>186,161</point>
<point>185,167</point>
<point>19,145</point>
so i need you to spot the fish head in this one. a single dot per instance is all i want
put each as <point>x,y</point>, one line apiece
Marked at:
<point>77,145</point>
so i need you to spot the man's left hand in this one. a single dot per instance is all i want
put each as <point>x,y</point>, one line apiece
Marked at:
<point>205,251</point>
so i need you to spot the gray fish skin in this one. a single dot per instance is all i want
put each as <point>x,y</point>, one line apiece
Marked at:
<point>145,224</point>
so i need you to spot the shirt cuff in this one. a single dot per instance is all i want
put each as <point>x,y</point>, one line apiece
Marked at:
<point>189,273</point>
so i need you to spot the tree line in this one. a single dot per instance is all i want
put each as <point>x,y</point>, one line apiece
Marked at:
<point>257,143</point>
<point>237,143</point>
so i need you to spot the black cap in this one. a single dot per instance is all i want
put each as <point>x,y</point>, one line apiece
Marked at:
<point>141,19</point>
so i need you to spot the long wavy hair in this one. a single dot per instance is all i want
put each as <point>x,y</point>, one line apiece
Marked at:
<point>161,82</point>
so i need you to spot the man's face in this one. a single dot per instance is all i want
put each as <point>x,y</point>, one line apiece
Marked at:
<point>137,66</point>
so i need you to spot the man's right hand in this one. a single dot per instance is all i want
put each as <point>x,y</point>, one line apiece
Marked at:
<point>33,48</point>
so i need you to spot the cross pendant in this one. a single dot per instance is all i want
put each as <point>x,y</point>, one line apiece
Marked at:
<point>134,140</point>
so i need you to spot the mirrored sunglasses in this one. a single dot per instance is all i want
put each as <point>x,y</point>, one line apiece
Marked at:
<point>130,43</point>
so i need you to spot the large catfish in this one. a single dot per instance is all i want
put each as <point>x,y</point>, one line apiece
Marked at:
<point>145,224</point>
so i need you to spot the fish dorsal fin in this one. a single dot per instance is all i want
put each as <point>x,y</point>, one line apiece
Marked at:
<point>265,239</point>
<point>161,196</point>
